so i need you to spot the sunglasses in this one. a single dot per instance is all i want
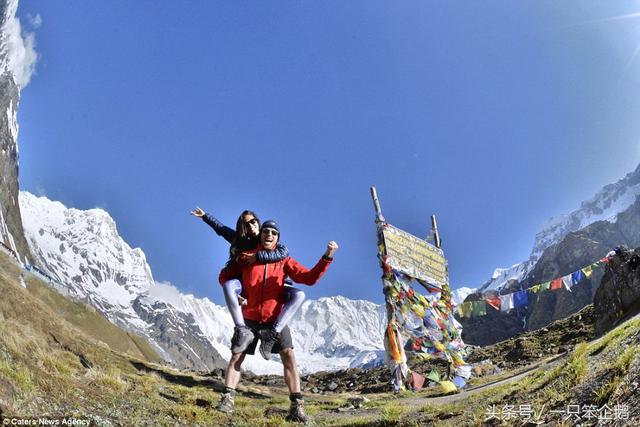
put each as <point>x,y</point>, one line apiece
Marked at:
<point>251,221</point>
<point>270,231</point>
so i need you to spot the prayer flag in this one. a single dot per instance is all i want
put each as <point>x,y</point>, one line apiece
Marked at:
<point>448,387</point>
<point>459,382</point>
<point>506,302</point>
<point>520,299</point>
<point>416,381</point>
<point>535,289</point>
<point>587,271</point>
<point>576,277</point>
<point>434,376</point>
<point>567,282</point>
<point>494,302</point>
<point>545,286</point>
<point>479,308</point>
<point>464,371</point>
<point>556,284</point>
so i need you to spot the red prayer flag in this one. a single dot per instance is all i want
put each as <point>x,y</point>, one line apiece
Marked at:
<point>416,381</point>
<point>494,302</point>
<point>556,284</point>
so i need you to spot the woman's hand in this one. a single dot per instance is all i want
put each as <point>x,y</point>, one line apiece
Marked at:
<point>332,247</point>
<point>246,258</point>
<point>197,212</point>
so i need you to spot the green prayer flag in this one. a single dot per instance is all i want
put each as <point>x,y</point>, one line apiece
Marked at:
<point>479,308</point>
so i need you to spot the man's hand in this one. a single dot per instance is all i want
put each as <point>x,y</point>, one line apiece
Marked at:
<point>332,247</point>
<point>242,301</point>
<point>246,258</point>
<point>197,212</point>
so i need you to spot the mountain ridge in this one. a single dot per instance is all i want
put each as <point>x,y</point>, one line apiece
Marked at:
<point>608,202</point>
<point>90,261</point>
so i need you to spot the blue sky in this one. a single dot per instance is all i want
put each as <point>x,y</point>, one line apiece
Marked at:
<point>493,115</point>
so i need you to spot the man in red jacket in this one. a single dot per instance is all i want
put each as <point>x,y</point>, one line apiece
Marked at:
<point>263,288</point>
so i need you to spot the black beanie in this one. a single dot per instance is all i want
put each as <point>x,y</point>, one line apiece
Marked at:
<point>270,224</point>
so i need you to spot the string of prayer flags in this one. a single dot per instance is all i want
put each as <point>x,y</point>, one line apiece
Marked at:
<point>510,301</point>
<point>422,325</point>
<point>423,322</point>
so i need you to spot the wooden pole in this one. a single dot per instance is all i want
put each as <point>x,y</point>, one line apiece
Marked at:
<point>376,205</point>
<point>436,235</point>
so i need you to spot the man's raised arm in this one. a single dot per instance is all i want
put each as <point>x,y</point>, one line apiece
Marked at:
<point>300,274</point>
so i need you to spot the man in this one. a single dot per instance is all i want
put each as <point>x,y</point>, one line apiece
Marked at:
<point>246,236</point>
<point>263,288</point>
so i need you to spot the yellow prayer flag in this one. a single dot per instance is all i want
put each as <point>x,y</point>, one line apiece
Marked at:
<point>587,271</point>
<point>448,387</point>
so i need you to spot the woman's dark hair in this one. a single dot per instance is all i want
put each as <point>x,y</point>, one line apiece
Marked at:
<point>241,231</point>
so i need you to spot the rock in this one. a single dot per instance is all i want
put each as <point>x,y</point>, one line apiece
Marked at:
<point>619,293</point>
<point>315,390</point>
<point>358,401</point>
<point>332,387</point>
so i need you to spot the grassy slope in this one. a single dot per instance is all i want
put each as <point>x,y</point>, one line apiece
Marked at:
<point>89,321</point>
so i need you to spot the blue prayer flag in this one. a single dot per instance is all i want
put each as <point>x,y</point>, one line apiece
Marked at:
<point>520,299</point>
<point>577,277</point>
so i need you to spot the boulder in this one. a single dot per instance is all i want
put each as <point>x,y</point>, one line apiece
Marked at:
<point>618,296</point>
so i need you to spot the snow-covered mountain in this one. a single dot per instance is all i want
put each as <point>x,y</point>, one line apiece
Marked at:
<point>88,260</point>
<point>606,205</point>
<point>458,295</point>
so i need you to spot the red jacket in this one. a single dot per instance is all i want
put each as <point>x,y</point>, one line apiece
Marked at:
<point>263,284</point>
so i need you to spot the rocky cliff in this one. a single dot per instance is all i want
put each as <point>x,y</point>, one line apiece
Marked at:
<point>618,296</point>
<point>11,233</point>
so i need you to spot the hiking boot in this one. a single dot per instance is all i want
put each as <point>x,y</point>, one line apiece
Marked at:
<point>267,340</point>
<point>242,337</point>
<point>227,404</point>
<point>296,412</point>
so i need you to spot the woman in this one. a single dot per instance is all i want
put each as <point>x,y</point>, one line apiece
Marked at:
<point>246,237</point>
